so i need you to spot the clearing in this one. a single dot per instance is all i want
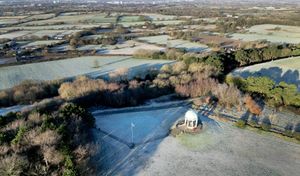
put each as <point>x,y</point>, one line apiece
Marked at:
<point>52,70</point>
<point>280,70</point>
<point>271,33</point>
<point>166,40</point>
<point>220,149</point>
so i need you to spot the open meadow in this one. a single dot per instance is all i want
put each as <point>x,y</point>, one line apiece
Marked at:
<point>217,150</point>
<point>140,23</point>
<point>42,43</point>
<point>271,33</point>
<point>287,70</point>
<point>14,35</point>
<point>167,41</point>
<point>73,19</point>
<point>67,68</point>
<point>125,48</point>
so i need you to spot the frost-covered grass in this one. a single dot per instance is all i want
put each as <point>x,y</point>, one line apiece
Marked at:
<point>42,42</point>
<point>75,19</point>
<point>16,34</point>
<point>93,36</point>
<point>8,21</point>
<point>156,17</point>
<point>53,27</point>
<point>272,33</point>
<point>148,124</point>
<point>168,22</point>
<point>130,18</point>
<point>174,43</point>
<point>287,70</point>
<point>126,48</point>
<point>36,33</point>
<point>41,16</point>
<point>49,33</point>
<point>51,70</point>
<point>219,144</point>
<point>139,23</point>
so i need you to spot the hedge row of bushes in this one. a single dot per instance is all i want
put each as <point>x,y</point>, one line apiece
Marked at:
<point>56,142</point>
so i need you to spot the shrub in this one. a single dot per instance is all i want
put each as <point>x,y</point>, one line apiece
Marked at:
<point>3,138</point>
<point>178,67</point>
<point>48,137</point>
<point>253,121</point>
<point>143,53</point>
<point>240,123</point>
<point>29,92</point>
<point>228,96</point>
<point>120,74</point>
<point>175,132</point>
<point>69,172</point>
<point>266,127</point>
<point>174,54</point>
<point>200,87</point>
<point>71,110</point>
<point>35,117</point>
<point>19,135</point>
<point>167,68</point>
<point>266,124</point>
<point>253,107</point>
<point>196,67</point>
<point>51,155</point>
<point>296,135</point>
<point>13,165</point>
<point>4,149</point>
<point>82,86</point>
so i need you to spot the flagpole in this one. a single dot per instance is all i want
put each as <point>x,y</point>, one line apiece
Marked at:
<point>131,132</point>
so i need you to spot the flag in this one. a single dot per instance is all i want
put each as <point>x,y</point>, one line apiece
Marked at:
<point>132,125</point>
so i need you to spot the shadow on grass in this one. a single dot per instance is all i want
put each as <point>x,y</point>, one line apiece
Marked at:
<point>277,74</point>
<point>121,154</point>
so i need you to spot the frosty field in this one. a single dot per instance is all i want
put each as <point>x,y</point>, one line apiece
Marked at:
<point>158,17</point>
<point>174,43</point>
<point>217,150</point>
<point>12,75</point>
<point>126,48</point>
<point>13,35</point>
<point>73,19</point>
<point>53,27</point>
<point>280,70</point>
<point>42,42</point>
<point>272,33</point>
<point>41,16</point>
<point>139,23</point>
<point>129,18</point>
